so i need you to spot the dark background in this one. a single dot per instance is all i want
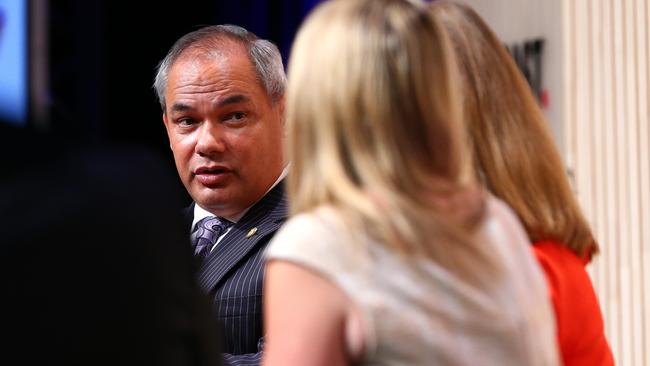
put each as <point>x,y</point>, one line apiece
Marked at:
<point>103,55</point>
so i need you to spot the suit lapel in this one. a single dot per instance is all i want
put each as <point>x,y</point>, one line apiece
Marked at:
<point>263,219</point>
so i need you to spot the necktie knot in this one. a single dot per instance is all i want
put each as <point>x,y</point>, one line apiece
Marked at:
<point>206,233</point>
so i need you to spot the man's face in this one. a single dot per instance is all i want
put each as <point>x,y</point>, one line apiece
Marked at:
<point>224,131</point>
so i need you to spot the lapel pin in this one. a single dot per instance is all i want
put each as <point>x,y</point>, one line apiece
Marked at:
<point>251,232</point>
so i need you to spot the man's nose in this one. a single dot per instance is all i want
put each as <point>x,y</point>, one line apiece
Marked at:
<point>210,139</point>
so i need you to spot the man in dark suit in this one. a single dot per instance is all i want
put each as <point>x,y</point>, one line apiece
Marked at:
<point>222,94</point>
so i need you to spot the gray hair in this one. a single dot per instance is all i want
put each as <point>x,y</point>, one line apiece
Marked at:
<point>263,54</point>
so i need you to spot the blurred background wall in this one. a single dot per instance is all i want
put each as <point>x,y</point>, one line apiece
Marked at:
<point>596,73</point>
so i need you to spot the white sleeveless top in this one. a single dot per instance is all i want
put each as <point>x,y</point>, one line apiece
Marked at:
<point>427,315</point>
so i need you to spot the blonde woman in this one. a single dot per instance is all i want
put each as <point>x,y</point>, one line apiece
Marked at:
<point>392,256</point>
<point>516,159</point>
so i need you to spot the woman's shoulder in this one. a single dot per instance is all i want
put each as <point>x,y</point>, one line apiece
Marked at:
<point>501,222</point>
<point>322,221</point>
<point>312,236</point>
<point>579,317</point>
<point>496,209</point>
<point>564,271</point>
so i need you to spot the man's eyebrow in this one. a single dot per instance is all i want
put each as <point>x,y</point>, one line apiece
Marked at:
<point>180,107</point>
<point>233,99</point>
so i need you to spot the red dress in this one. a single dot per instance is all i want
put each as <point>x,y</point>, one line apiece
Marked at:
<point>580,327</point>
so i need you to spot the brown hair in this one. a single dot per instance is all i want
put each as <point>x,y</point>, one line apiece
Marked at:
<point>513,151</point>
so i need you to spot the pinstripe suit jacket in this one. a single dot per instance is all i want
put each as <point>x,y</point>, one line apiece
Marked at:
<point>233,275</point>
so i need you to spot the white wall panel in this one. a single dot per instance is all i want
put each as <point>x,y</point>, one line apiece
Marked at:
<point>608,152</point>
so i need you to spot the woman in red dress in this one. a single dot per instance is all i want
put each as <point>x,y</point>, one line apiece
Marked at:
<point>515,157</point>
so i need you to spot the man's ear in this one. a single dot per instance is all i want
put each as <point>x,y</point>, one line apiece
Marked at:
<point>281,109</point>
<point>166,123</point>
<point>164,117</point>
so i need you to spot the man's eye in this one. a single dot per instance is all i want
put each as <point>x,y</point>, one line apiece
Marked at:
<point>236,116</point>
<point>186,122</point>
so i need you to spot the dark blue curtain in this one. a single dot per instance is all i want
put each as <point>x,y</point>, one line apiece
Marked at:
<point>275,20</point>
<point>103,56</point>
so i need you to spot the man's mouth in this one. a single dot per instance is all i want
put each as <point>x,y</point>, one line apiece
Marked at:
<point>210,170</point>
<point>212,176</point>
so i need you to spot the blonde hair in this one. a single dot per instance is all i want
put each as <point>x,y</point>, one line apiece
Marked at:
<point>513,150</point>
<point>374,127</point>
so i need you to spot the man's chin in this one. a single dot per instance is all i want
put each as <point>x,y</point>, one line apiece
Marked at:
<point>211,204</point>
<point>219,204</point>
